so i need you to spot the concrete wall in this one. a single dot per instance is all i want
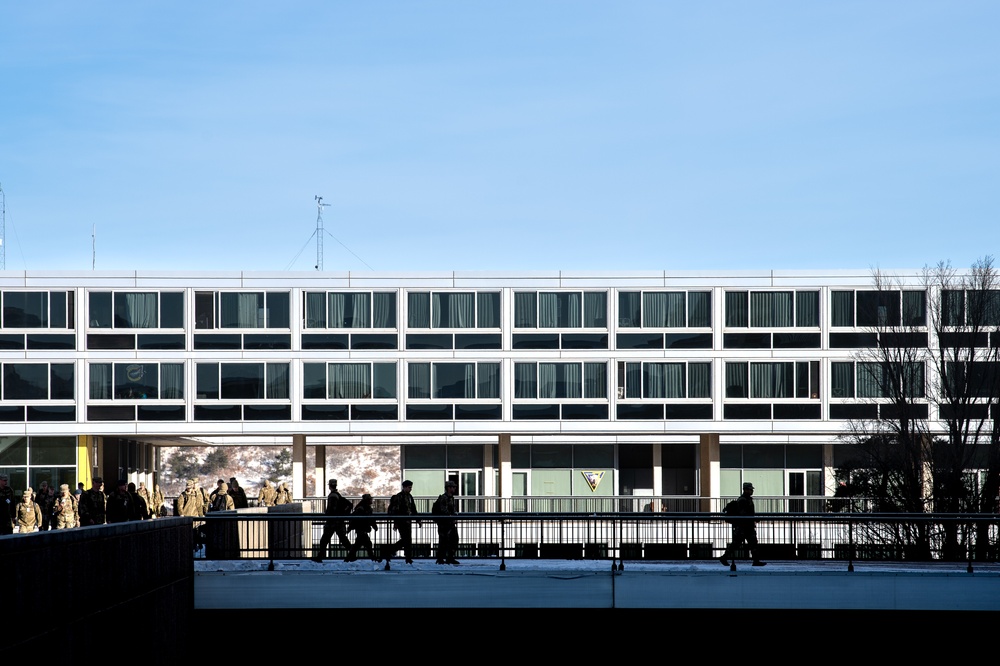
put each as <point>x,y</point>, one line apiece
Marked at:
<point>91,591</point>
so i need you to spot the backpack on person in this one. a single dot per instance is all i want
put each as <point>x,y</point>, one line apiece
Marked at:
<point>731,511</point>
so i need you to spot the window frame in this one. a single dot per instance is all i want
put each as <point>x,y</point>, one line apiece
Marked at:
<point>754,317</point>
<point>642,294</point>
<point>68,309</point>
<point>536,318</point>
<point>263,307</point>
<point>117,300</point>
<point>625,368</point>
<point>434,307</point>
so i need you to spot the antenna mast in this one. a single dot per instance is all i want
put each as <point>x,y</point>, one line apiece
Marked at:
<point>93,247</point>
<point>319,231</point>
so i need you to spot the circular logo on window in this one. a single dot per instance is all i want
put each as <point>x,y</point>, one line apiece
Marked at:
<point>134,372</point>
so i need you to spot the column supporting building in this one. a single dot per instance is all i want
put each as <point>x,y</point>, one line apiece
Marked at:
<point>709,470</point>
<point>319,473</point>
<point>299,465</point>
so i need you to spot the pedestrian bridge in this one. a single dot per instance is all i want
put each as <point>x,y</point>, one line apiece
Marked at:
<point>594,584</point>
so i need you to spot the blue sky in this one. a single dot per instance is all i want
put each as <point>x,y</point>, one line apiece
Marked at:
<point>500,135</point>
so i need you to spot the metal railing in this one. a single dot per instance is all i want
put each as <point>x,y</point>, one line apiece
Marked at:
<point>611,504</point>
<point>621,536</point>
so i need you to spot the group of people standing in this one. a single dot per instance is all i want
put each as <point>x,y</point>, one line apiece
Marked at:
<point>344,517</point>
<point>46,509</point>
<point>195,501</point>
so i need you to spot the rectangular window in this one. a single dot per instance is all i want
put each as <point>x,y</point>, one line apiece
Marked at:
<point>350,309</point>
<point>889,380</point>
<point>664,380</point>
<point>242,381</point>
<point>561,309</point>
<point>453,309</point>
<point>976,379</point>
<point>255,309</point>
<point>37,309</point>
<point>885,308</point>
<point>842,305</point>
<point>349,381</point>
<point>131,309</point>
<point>842,380</point>
<point>772,309</point>
<point>453,381</point>
<point>38,381</point>
<point>560,380</point>
<point>973,308</point>
<point>136,381</point>
<point>772,379</point>
<point>664,309</point>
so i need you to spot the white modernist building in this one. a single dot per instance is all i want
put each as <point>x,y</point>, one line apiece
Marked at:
<point>655,383</point>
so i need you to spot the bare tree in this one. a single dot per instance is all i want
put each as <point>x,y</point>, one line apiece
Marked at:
<point>930,375</point>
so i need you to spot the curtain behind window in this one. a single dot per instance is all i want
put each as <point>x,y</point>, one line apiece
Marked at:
<point>807,308</point>
<point>842,380</point>
<point>419,380</point>
<point>488,310</point>
<point>771,308</point>
<point>135,310</point>
<point>700,308</point>
<point>315,310</point>
<point>633,380</point>
<point>418,306</point>
<point>737,313</point>
<point>548,310</point>
<point>595,310</point>
<point>629,309</point>
<point>595,380</point>
<point>489,380</point>
<point>172,381</point>
<point>100,381</point>
<point>547,380</point>
<point>349,381</point>
<point>524,310</point>
<point>525,382</point>
<point>384,310</point>
<point>241,310</point>
<point>842,305</point>
<point>772,380</point>
<point>699,380</point>
<point>736,380</point>
<point>871,380</point>
<point>277,381</point>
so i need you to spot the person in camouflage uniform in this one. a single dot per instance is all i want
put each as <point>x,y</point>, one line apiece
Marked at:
<point>147,497</point>
<point>205,501</point>
<point>158,500</point>
<point>65,511</point>
<point>189,502</point>
<point>7,502</point>
<point>267,495</point>
<point>44,500</point>
<point>94,504</point>
<point>28,514</point>
<point>222,501</point>
<point>284,494</point>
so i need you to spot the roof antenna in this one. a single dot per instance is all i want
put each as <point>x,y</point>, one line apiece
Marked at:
<point>319,231</point>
